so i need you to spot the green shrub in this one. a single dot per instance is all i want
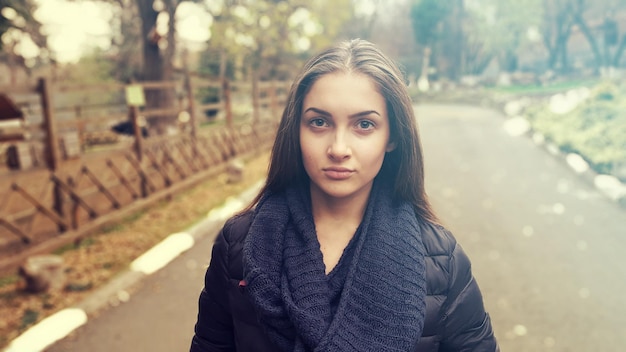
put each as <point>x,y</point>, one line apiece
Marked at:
<point>596,129</point>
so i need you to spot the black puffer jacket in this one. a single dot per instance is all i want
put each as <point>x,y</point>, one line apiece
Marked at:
<point>455,316</point>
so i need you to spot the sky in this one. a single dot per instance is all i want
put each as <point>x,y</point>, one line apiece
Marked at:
<point>75,27</point>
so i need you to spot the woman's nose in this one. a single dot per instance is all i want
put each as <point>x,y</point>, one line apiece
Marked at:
<point>339,148</point>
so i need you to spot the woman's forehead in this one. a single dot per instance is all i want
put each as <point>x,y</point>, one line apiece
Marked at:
<point>343,90</point>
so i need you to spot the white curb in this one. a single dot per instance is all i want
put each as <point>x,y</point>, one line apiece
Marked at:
<point>163,253</point>
<point>608,185</point>
<point>516,126</point>
<point>577,163</point>
<point>48,331</point>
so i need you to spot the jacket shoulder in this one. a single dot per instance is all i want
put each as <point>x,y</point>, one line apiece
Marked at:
<point>235,231</point>
<point>438,241</point>
<point>442,259</point>
<point>236,228</point>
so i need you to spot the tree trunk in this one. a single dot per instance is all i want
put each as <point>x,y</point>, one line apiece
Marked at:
<point>422,82</point>
<point>152,61</point>
<point>157,66</point>
<point>455,40</point>
<point>129,44</point>
<point>170,50</point>
<point>563,56</point>
<point>620,50</point>
<point>579,20</point>
<point>557,43</point>
<point>168,96</point>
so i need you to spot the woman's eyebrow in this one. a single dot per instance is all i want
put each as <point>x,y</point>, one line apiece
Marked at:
<point>365,113</point>
<point>317,111</point>
<point>358,114</point>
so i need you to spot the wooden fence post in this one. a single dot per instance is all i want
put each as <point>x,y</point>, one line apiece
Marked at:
<point>138,146</point>
<point>135,98</point>
<point>52,144</point>
<point>191,103</point>
<point>134,120</point>
<point>227,103</point>
<point>75,207</point>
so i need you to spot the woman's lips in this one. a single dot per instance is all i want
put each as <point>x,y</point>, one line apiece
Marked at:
<point>338,173</point>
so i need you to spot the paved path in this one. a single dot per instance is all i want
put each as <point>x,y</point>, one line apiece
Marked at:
<point>158,317</point>
<point>547,248</point>
<point>159,312</point>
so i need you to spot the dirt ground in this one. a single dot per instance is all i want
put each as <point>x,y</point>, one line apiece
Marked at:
<point>100,257</point>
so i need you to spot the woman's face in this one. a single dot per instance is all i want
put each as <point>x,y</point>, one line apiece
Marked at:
<point>344,135</point>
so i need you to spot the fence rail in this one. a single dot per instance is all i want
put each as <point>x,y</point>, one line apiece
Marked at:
<point>59,191</point>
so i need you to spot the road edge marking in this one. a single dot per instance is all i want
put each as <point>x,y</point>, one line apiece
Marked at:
<point>48,331</point>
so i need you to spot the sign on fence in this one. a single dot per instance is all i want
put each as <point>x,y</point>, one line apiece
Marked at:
<point>134,95</point>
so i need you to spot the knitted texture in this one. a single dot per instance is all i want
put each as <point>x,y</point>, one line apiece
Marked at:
<point>382,304</point>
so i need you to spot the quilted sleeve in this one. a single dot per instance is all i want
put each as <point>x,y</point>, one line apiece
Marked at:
<point>466,324</point>
<point>214,329</point>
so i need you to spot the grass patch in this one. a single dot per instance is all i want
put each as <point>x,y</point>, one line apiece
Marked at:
<point>29,318</point>
<point>113,227</point>
<point>82,243</point>
<point>8,280</point>
<point>595,129</point>
<point>134,216</point>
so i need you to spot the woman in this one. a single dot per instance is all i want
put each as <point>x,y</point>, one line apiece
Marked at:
<point>341,251</point>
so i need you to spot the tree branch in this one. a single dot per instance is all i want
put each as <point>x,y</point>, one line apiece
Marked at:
<point>580,21</point>
<point>620,50</point>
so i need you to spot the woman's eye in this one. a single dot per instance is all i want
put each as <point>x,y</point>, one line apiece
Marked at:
<point>365,124</point>
<point>317,122</point>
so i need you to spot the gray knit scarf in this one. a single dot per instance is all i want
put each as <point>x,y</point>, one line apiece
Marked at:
<point>382,304</point>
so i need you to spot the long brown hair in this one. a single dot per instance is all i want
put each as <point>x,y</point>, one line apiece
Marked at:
<point>403,167</point>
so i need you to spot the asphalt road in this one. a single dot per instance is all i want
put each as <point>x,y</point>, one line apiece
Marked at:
<point>546,247</point>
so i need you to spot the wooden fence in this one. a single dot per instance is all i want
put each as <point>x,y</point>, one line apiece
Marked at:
<point>69,188</point>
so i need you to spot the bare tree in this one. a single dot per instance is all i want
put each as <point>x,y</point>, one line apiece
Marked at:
<point>556,30</point>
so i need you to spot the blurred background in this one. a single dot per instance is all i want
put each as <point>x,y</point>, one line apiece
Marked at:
<point>92,41</point>
<point>122,122</point>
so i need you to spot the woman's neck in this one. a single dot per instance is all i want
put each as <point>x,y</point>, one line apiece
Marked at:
<point>341,210</point>
<point>336,222</point>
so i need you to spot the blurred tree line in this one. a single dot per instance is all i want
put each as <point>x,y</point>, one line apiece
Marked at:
<point>268,39</point>
<point>466,36</point>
